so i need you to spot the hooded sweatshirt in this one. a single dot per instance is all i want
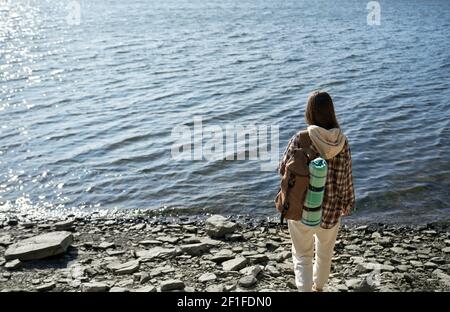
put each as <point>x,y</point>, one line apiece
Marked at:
<point>328,143</point>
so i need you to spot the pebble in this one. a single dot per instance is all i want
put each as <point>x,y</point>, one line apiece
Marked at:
<point>247,281</point>
<point>94,287</point>
<point>215,288</point>
<point>46,287</point>
<point>13,265</point>
<point>207,277</point>
<point>173,284</point>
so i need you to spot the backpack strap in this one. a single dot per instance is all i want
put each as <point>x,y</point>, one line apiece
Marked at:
<point>307,146</point>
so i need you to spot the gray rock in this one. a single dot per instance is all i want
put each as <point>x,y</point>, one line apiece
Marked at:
<point>105,245</point>
<point>126,268</point>
<point>46,287</point>
<point>115,252</point>
<point>365,286</point>
<point>157,252</point>
<point>430,265</point>
<point>376,235</point>
<point>222,256</point>
<point>64,225</point>
<point>6,240</point>
<point>196,249</point>
<point>144,278</point>
<point>247,281</point>
<point>234,264</point>
<point>172,285</point>
<point>386,268</point>
<point>291,284</point>
<point>138,227</point>
<point>252,270</point>
<point>403,268</point>
<point>273,271</point>
<point>352,283</point>
<point>218,226</point>
<point>168,239</point>
<point>150,242</point>
<point>148,288</point>
<point>207,277</point>
<point>94,287</point>
<point>416,263</point>
<point>283,256</point>
<point>399,250</point>
<point>28,225</point>
<point>118,289</point>
<point>234,237</point>
<point>161,270</point>
<point>40,246</point>
<point>341,288</point>
<point>446,250</point>
<point>13,265</point>
<point>215,288</point>
<point>260,258</point>
<point>77,271</point>
<point>353,247</point>
<point>444,279</point>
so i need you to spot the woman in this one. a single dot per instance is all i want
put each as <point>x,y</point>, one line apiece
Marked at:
<point>339,198</point>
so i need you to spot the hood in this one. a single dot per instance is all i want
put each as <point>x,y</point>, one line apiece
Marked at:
<point>328,143</point>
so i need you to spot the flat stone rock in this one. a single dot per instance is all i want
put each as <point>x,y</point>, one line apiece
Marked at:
<point>161,270</point>
<point>46,286</point>
<point>64,225</point>
<point>218,226</point>
<point>13,264</point>
<point>251,270</point>
<point>144,278</point>
<point>260,258</point>
<point>95,287</point>
<point>247,281</point>
<point>444,279</point>
<point>119,289</point>
<point>77,271</point>
<point>234,264</point>
<point>222,256</point>
<point>150,242</point>
<point>273,271</point>
<point>352,283</point>
<point>148,288</point>
<point>111,252</point>
<point>40,246</point>
<point>168,239</point>
<point>207,277</point>
<point>157,252</point>
<point>399,250</point>
<point>173,284</point>
<point>215,288</point>
<point>105,245</point>
<point>6,240</point>
<point>196,249</point>
<point>126,268</point>
<point>430,265</point>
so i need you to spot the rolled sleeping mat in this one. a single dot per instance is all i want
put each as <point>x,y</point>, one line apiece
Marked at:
<point>312,207</point>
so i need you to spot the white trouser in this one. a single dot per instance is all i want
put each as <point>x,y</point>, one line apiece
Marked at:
<point>303,251</point>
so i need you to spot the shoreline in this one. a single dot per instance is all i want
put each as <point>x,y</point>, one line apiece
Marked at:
<point>148,253</point>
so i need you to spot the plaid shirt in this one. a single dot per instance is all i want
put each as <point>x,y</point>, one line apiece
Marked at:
<point>339,196</point>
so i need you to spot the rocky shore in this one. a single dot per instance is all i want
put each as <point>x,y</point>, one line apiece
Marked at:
<point>217,254</point>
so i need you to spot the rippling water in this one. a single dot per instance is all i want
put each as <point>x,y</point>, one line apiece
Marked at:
<point>86,111</point>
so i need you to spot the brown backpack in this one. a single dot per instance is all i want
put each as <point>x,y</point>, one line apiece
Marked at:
<point>294,183</point>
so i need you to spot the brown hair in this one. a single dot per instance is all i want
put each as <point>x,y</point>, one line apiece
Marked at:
<point>320,111</point>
